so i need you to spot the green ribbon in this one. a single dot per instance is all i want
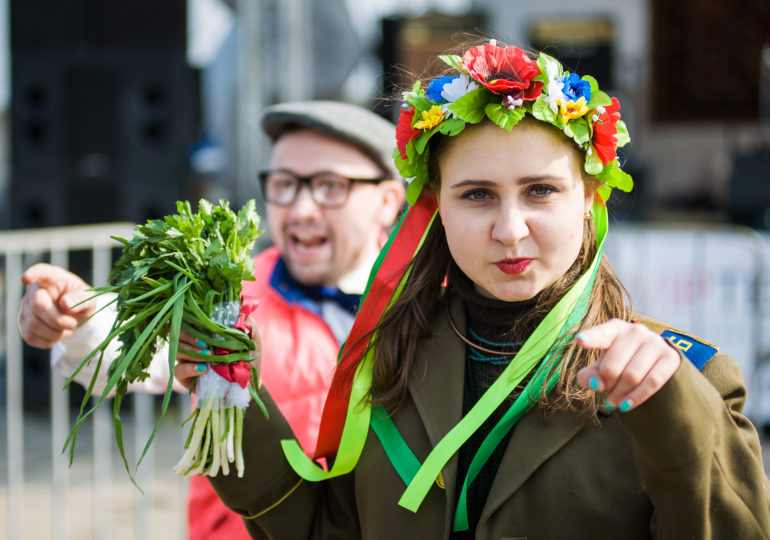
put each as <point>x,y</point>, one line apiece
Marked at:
<point>561,319</point>
<point>524,401</point>
<point>353,436</point>
<point>419,478</point>
<point>357,419</point>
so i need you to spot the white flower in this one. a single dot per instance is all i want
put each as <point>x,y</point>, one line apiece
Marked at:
<point>455,90</point>
<point>600,109</point>
<point>555,94</point>
<point>458,88</point>
<point>555,88</point>
<point>551,69</point>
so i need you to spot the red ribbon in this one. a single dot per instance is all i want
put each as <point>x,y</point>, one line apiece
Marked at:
<point>237,372</point>
<point>401,251</point>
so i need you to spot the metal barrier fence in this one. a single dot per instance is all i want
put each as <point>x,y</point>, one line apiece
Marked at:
<point>710,281</point>
<point>41,494</point>
<point>705,280</point>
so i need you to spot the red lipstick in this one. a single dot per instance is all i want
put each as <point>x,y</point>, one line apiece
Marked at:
<point>514,266</point>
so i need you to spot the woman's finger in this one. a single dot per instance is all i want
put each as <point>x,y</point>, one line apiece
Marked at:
<point>619,341</point>
<point>658,376</point>
<point>186,371</point>
<point>635,362</point>
<point>634,372</point>
<point>257,339</point>
<point>602,335</point>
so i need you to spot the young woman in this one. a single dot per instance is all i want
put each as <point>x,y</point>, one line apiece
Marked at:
<point>496,383</point>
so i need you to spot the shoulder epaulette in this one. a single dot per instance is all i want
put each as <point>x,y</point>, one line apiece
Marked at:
<point>696,350</point>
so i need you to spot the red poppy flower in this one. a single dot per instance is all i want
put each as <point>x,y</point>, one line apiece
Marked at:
<point>503,70</point>
<point>404,130</point>
<point>606,132</point>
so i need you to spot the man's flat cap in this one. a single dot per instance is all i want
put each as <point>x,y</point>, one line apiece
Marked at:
<point>369,132</point>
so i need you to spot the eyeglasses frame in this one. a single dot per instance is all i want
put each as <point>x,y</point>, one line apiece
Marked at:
<point>306,181</point>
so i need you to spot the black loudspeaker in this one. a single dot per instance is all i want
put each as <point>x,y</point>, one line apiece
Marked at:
<point>104,108</point>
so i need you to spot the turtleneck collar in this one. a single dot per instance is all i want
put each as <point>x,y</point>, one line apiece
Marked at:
<point>489,317</point>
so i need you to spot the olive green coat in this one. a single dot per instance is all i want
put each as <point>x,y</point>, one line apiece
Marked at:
<point>684,464</point>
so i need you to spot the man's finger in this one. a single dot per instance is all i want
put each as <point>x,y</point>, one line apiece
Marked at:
<point>41,306</point>
<point>46,275</point>
<point>37,334</point>
<point>77,304</point>
<point>55,279</point>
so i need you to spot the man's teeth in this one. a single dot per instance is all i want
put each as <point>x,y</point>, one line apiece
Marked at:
<point>309,242</point>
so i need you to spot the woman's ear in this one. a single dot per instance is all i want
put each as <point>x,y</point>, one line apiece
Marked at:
<point>590,195</point>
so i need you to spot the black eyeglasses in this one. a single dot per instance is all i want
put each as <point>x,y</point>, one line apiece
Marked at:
<point>326,188</point>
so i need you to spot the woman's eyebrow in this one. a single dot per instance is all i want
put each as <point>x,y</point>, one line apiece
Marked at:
<point>529,179</point>
<point>473,182</point>
<point>532,179</point>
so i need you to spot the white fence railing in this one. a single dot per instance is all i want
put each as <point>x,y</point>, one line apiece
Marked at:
<point>711,281</point>
<point>41,495</point>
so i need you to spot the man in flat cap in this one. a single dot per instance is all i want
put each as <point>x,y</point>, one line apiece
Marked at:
<point>330,192</point>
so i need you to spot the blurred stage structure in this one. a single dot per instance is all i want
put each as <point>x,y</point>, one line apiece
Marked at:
<point>103,109</point>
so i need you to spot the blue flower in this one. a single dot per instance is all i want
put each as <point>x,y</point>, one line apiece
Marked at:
<point>574,88</point>
<point>435,88</point>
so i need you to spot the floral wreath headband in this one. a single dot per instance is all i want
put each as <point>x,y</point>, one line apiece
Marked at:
<point>504,84</point>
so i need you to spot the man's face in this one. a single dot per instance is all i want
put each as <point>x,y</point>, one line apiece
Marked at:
<point>321,245</point>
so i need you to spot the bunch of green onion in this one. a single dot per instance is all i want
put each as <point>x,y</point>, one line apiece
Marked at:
<point>170,276</point>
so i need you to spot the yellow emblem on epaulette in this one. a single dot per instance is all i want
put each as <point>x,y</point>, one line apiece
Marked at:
<point>698,352</point>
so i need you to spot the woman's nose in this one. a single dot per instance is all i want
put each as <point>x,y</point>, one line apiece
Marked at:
<point>510,225</point>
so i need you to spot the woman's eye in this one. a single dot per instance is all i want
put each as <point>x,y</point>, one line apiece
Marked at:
<point>476,195</point>
<point>542,190</point>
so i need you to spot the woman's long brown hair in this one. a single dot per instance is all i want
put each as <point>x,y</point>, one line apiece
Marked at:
<point>408,319</point>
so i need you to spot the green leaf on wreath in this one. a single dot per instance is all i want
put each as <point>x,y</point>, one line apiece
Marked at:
<point>542,111</point>
<point>470,107</point>
<point>503,117</point>
<point>580,131</point>
<point>593,165</point>
<point>599,98</point>
<point>623,137</point>
<point>452,60</point>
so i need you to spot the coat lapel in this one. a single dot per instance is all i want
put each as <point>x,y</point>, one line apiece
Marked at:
<point>532,443</point>
<point>436,387</point>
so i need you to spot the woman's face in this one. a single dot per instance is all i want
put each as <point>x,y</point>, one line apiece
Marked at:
<point>513,206</point>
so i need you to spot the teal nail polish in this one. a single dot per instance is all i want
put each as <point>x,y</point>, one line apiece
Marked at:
<point>200,367</point>
<point>200,343</point>
<point>594,384</point>
<point>626,405</point>
<point>609,406</point>
<point>205,351</point>
<point>581,337</point>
